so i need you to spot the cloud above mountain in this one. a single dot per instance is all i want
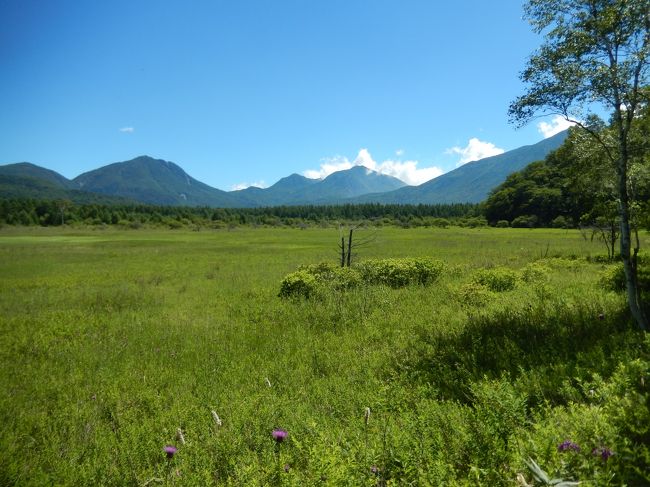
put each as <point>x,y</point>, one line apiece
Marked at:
<point>475,150</point>
<point>408,170</point>
<point>257,184</point>
<point>557,125</point>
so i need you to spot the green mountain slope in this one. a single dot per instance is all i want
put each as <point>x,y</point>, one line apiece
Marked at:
<point>153,181</point>
<point>337,187</point>
<point>284,192</point>
<point>26,180</point>
<point>472,182</point>
<point>28,170</point>
<point>354,182</point>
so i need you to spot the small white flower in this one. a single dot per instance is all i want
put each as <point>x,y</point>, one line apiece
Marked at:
<point>179,436</point>
<point>216,418</point>
<point>268,382</point>
<point>366,415</point>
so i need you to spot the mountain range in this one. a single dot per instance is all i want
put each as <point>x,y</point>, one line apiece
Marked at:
<point>155,181</point>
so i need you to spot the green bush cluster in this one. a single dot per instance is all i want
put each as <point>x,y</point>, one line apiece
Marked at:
<point>613,278</point>
<point>400,272</point>
<point>535,273</point>
<point>475,294</point>
<point>308,279</point>
<point>497,279</point>
<point>299,283</point>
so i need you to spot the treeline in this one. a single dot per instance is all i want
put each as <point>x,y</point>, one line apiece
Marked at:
<point>30,212</point>
<point>575,186</point>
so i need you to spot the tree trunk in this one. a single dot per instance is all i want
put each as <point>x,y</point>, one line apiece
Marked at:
<point>629,261</point>
<point>350,248</point>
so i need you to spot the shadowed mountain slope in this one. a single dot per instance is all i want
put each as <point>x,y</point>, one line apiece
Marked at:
<point>471,182</point>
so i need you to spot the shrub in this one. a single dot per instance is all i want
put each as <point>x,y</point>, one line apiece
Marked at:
<point>535,273</point>
<point>474,294</point>
<point>427,270</point>
<point>498,279</point>
<point>503,224</point>
<point>299,283</point>
<point>322,270</point>
<point>343,278</point>
<point>524,221</point>
<point>560,222</point>
<point>400,272</point>
<point>473,222</point>
<point>440,222</point>
<point>613,279</point>
<point>390,272</point>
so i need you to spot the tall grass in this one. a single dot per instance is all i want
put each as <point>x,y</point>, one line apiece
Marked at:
<point>111,341</point>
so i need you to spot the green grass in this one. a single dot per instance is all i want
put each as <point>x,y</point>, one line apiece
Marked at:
<point>110,340</point>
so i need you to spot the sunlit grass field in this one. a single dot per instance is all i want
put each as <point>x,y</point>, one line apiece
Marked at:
<point>113,340</point>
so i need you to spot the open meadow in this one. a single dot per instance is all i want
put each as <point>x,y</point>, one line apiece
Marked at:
<point>112,340</point>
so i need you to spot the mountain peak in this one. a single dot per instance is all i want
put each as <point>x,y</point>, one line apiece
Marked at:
<point>156,181</point>
<point>153,181</point>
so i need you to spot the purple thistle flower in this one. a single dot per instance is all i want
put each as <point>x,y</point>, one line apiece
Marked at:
<point>170,450</point>
<point>567,445</point>
<point>603,452</point>
<point>280,435</point>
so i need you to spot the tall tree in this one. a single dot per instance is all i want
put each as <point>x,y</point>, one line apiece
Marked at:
<point>595,57</point>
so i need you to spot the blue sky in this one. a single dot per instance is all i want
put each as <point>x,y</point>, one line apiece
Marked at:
<point>241,92</point>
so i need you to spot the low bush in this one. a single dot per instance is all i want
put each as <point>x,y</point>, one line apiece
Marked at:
<point>560,222</point>
<point>343,278</point>
<point>299,283</point>
<point>498,279</point>
<point>474,294</point>
<point>535,273</point>
<point>613,278</point>
<point>400,272</point>
<point>390,272</point>
<point>525,221</point>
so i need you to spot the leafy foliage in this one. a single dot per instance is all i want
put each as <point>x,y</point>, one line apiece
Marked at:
<point>400,272</point>
<point>497,279</point>
<point>389,272</point>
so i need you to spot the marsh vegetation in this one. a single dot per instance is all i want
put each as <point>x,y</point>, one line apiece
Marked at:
<point>118,344</point>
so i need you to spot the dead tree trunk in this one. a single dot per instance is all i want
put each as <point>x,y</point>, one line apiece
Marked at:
<point>350,248</point>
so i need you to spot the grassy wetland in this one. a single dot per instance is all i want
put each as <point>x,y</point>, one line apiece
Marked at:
<point>517,358</point>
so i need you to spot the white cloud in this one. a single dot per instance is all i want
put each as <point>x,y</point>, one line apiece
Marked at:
<point>127,130</point>
<point>399,152</point>
<point>407,171</point>
<point>328,166</point>
<point>257,184</point>
<point>474,150</point>
<point>557,125</point>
